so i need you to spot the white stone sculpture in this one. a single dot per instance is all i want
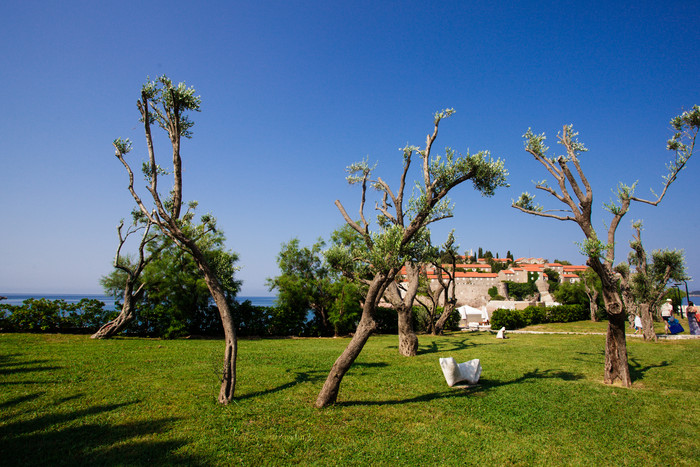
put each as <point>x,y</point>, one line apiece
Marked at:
<point>455,372</point>
<point>501,333</point>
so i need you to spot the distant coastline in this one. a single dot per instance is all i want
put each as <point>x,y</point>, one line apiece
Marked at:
<point>18,298</point>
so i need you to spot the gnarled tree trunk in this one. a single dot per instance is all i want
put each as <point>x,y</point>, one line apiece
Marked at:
<point>408,341</point>
<point>593,305</point>
<point>127,314</point>
<point>228,374</point>
<point>647,323</point>
<point>616,365</point>
<point>133,273</point>
<point>446,312</point>
<point>329,392</point>
<point>164,104</point>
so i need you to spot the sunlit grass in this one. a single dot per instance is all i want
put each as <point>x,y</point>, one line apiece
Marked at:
<point>596,327</point>
<point>67,400</point>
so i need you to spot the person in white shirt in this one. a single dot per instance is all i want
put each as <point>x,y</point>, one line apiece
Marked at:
<point>666,313</point>
<point>637,324</point>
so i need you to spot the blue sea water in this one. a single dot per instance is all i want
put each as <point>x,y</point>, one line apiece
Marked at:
<point>17,299</point>
<point>258,301</point>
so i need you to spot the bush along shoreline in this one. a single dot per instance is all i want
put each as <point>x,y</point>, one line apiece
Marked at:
<point>44,315</point>
<point>168,320</point>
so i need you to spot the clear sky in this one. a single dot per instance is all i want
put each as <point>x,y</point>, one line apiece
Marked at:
<point>293,92</point>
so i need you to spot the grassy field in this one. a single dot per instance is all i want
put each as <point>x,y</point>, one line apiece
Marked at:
<point>67,400</point>
<point>598,327</point>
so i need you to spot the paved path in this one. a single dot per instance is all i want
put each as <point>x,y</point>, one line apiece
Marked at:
<point>660,336</point>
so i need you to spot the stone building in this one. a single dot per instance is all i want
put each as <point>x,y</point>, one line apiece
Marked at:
<point>473,280</point>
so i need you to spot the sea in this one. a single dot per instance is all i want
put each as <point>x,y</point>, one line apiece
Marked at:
<point>18,298</point>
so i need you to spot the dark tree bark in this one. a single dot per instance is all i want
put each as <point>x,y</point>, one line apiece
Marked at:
<point>647,322</point>
<point>616,366</point>
<point>228,373</point>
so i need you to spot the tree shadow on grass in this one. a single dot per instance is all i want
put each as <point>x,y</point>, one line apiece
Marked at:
<point>19,400</point>
<point>448,346</point>
<point>299,378</point>
<point>7,357</point>
<point>370,365</point>
<point>637,371</point>
<point>482,386</point>
<point>73,438</point>
<point>11,364</point>
<point>590,357</point>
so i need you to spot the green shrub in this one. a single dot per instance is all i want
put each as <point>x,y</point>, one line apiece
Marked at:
<point>534,315</point>
<point>421,319</point>
<point>519,291</point>
<point>5,313</point>
<point>566,314</point>
<point>515,319</point>
<point>53,315</point>
<point>89,314</point>
<point>387,320</point>
<point>452,322</point>
<point>511,319</point>
<point>251,320</point>
<point>493,293</point>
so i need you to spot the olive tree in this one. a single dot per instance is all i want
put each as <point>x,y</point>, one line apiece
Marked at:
<point>647,283</point>
<point>446,283</point>
<point>444,290</point>
<point>401,228</point>
<point>573,189</point>
<point>166,105</point>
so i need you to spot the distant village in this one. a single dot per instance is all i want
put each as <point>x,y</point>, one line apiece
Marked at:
<point>473,280</point>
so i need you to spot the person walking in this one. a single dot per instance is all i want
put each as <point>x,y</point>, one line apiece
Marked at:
<point>693,319</point>
<point>637,324</point>
<point>666,313</point>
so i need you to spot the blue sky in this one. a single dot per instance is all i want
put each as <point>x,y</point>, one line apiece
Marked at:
<point>293,92</point>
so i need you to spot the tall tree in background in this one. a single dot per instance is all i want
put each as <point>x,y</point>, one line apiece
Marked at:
<point>384,251</point>
<point>166,105</point>
<point>304,283</point>
<point>648,281</point>
<point>574,191</point>
<point>308,282</point>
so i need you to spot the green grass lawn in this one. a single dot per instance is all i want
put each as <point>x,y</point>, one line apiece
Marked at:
<point>599,327</point>
<point>67,400</point>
